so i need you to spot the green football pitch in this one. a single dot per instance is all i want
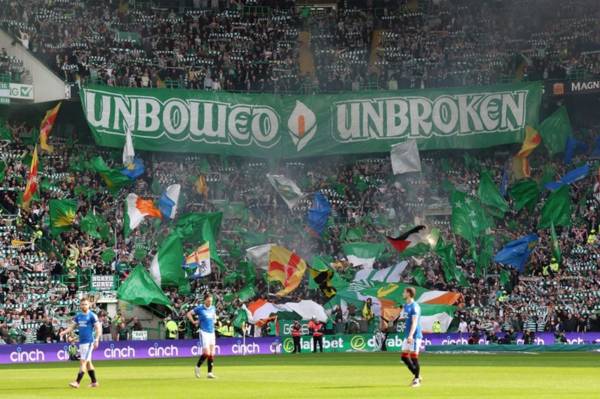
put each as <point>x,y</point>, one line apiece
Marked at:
<point>368,375</point>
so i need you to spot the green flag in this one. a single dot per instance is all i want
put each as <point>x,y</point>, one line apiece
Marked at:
<point>140,289</point>
<point>355,234</point>
<point>62,215</point>
<point>108,255</point>
<point>390,291</point>
<point>556,252</point>
<point>246,293</point>
<point>418,276</point>
<point>555,129</point>
<point>2,170</point>
<point>95,226</point>
<point>468,217</point>
<point>490,195</point>
<point>362,253</point>
<point>448,258</point>
<point>485,255</point>
<point>504,277</point>
<point>197,228</point>
<point>525,193</point>
<point>113,178</point>
<point>240,318</point>
<point>166,267</point>
<point>557,209</point>
<point>548,175</point>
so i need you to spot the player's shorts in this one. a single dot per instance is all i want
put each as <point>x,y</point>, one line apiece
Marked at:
<point>412,348</point>
<point>207,339</point>
<point>85,351</point>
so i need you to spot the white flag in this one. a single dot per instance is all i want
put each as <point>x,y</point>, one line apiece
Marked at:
<point>128,152</point>
<point>405,157</point>
<point>259,255</point>
<point>287,188</point>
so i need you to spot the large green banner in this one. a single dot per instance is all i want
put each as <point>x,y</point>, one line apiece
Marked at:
<point>275,126</point>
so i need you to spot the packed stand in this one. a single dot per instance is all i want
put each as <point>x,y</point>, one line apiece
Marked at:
<point>43,276</point>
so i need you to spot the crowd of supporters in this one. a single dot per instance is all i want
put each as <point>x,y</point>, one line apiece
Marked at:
<point>255,45</point>
<point>42,277</point>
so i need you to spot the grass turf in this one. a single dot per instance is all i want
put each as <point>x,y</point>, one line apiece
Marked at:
<point>349,375</point>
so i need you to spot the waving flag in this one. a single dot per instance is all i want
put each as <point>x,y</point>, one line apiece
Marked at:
<point>532,141</point>
<point>199,260</point>
<point>134,169</point>
<point>362,253</point>
<point>570,177</point>
<point>525,193</point>
<point>128,151</point>
<point>136,209</point>
<point>62,214</point>
<point>405,157</point>
<point>168,201</point>
<point>201,186</point>
<point>573,147</point>
<point>32,180</point>
<point>165,268</point>
<point>319,214</point>
<point>516,253</point>
<point>140,289</point>
<point>287,189</point>
<point>259,255</point>
<point>287,268</point>
<point>407,239</point>
<point>46,127</point>
<point>113,178</point>
<point>557,209</point>
<point>555,129</point>
<point>490,195</point>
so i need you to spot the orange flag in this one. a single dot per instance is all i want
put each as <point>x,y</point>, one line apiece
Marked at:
<point>147,208</point>
<point>32,180</point>
<point>532,140</point>
<point>46,127</point>
<point>287,268</point>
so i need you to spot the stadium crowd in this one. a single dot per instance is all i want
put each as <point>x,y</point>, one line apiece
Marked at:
<point>256,45</point>
<point>41,277</point>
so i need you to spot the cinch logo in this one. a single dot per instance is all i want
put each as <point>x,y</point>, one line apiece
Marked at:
<point>275,347</point>
<point>288,345</point>
<point>302,125</point>
<point>163,351</point>
<point>63,354</point>
<point>358,343</point>
<point>21,356</point>
<point>241,349</point>
<point>197,350</point>
<point>125,352</point>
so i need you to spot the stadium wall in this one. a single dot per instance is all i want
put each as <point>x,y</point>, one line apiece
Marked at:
<point>125,350</point>
<point>47,85</point>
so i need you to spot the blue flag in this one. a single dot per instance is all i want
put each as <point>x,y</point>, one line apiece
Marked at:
<point>570,177</point>
<point>134,170</point>
<point>516,253</point>
<point>573,147</point>
<point>318,214</point>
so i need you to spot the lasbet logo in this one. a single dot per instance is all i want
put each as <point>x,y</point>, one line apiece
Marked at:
<point>302,125</point>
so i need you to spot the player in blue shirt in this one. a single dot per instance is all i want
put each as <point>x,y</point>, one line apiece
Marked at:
<point>412,335</point>
<point>90,330</point>
<point>207,317</point>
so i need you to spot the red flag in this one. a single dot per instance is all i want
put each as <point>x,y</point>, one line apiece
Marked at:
<point>46,127</point>
<point>285,267</point>
<point>32,181</point>
<point>409,238</point>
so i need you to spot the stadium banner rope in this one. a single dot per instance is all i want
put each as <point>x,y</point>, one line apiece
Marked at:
<point>287,126</point>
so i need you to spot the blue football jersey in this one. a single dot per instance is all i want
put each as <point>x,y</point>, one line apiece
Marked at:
<point>411,310</point>
<point>207,318</point>
<point>86,323</point>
